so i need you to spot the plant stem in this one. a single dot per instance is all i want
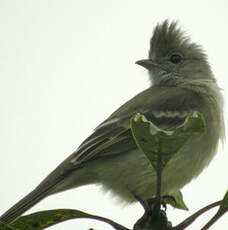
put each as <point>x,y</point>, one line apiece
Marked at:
<point>159,174</point>
<point>212,220</point>
<point>192,218</point>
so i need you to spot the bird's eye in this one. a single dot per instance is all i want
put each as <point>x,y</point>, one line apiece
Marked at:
<point>176,58</point>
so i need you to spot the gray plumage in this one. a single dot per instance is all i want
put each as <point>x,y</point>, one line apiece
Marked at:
<point>182,81</point>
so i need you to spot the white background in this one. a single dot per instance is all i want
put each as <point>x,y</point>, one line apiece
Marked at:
<point>64,67</point>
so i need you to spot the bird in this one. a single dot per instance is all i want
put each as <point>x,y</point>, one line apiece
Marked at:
<point>181,81</point>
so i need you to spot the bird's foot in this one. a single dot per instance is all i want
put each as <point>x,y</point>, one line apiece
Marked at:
<point>153,218</point>
<point>168,198</point>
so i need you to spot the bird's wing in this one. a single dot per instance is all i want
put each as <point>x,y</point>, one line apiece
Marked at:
<point>165,107</point>
<point>113,136</point>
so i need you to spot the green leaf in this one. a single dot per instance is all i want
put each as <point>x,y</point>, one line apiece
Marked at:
<point>152,140</point>
<point>177,201</point>
<point>4,226</point>
<point>44,219</point>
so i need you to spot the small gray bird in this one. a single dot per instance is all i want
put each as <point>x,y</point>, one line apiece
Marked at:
<point>182,82</point>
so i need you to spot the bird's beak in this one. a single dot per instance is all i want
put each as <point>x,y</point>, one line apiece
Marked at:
<point>147,63</point>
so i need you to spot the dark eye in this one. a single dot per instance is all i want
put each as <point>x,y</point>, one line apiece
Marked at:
<point>176,58</point>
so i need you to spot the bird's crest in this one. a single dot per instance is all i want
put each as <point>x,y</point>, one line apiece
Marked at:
<point>168,37</point>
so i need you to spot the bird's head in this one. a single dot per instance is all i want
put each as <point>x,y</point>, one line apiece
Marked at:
<point>173,58</point>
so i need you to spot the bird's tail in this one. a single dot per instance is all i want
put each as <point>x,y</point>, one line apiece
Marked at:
<point>44,189</point>
<point>40,192</point>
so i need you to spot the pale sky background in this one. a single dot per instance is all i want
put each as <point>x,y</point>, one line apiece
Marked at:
<point>64,67</point>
